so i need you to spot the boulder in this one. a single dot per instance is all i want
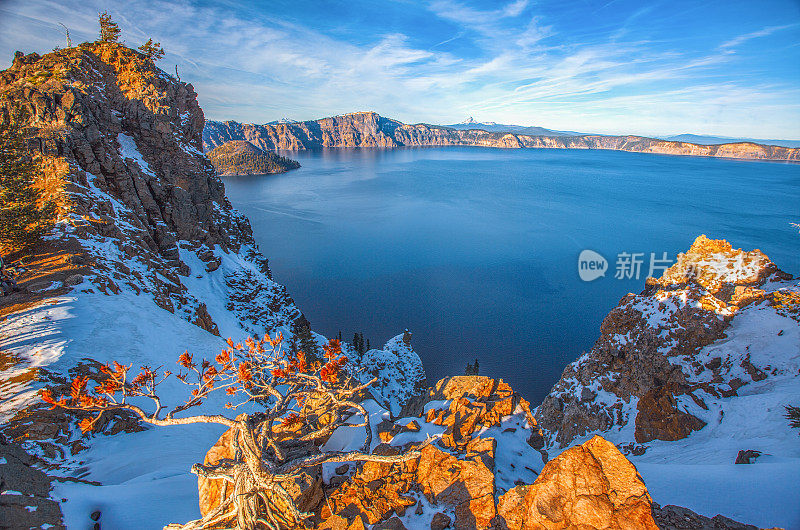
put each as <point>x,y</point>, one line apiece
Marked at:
<point>659,418</point>
<point>588,486</point>
<point>671,517</point>
<point>747,457</point>
<point>465,485</point>
<point>440,521</point>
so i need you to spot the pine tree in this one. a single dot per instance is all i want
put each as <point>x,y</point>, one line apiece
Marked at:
<point>152,50</point>
<point>355,343</point>
<point>368,348</point>
<point>793,415</point>
<point>109,30</point>
<point>476,367</point>
<point>24,216</point>
<point>468,369</point>
<point>361,343</point>
<point>301,328</point>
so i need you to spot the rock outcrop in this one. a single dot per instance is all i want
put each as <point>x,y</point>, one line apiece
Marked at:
<point>25,492</point>
<point>475,403</point>
<point>368,129</point>
<point>587,486</point>
<point>651,364</point>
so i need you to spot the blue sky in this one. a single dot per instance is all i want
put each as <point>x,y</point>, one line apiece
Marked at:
<point>724,67</point>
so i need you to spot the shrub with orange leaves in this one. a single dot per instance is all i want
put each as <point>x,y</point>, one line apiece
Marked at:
<point>257,372</point>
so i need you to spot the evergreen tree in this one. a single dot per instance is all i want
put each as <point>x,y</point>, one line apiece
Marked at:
<point>305,342</point>
<point>152,50</point>
<point>109,30</point>
<point>24,216</point>
<point>340,336</point>
<point>368,348</point>
<point>361,343</point>
<point>472,369</point>
<point>355,343</point>
<point>793,415</point>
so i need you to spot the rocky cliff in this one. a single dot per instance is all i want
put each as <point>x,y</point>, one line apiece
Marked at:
<point>367,129</point>
<point>147,259</point>
<point>719,324</point>
<point>119,145</point>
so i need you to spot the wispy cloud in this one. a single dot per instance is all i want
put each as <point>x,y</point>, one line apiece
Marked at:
<point>515,62</point>
<point>741,39</point>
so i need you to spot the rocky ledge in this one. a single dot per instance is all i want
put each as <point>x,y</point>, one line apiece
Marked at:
<point>485,469</point>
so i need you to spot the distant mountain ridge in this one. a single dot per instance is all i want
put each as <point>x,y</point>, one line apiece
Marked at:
<point>716,140</point>
<point>490,126</point>
<point>368,129</point>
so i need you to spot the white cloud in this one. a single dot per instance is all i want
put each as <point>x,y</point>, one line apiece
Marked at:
<point>262,68</point>
<point>741,39</point>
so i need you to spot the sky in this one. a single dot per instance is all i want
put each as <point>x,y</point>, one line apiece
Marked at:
<point>726,67</point>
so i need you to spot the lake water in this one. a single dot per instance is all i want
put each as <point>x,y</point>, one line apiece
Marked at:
<point>475,250</point>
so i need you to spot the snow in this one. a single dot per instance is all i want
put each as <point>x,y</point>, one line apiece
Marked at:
<point>398,370</point>
<point>515,460</point>
<point>426,430</point>
<point>764,494</point>
<point>149,468</point>
<point>128,149</point>
<point>353,438</point>
<point>698,472</point>
<point>740,267</point>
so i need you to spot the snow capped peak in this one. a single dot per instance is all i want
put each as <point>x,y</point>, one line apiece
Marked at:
<point>473,121</point>
<point>281,121</point>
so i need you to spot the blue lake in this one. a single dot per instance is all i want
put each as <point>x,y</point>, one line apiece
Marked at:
<point>475,250</point>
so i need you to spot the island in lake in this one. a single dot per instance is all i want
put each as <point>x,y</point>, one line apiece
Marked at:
<point>240,157</point>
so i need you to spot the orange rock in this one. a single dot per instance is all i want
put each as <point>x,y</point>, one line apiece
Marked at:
<point>475,402</point>
<point>213,491</point>
<point>588,486</point>
<point>467,485</point>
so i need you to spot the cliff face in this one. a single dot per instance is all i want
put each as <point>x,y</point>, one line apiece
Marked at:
<point>719,324</point>
<point>119,143</point>
<point>367,129</point>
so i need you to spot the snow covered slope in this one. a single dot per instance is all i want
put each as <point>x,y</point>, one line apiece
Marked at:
<point>151,261</point>
<point>688,373</point>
